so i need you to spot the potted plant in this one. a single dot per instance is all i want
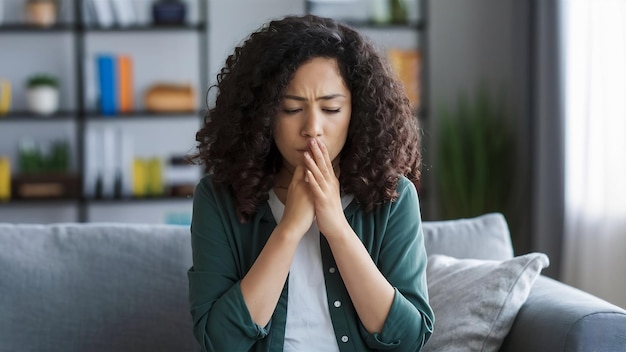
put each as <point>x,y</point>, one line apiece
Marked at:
<point>42,94</point>
<point>475,157</point>
<point>41,13</point>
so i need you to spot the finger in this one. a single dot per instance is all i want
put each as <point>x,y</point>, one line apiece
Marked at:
<point>327,161</point>
<point>320,155</point>
<point>312,166</point>
<point>298,174</point>
<point>313,184</point>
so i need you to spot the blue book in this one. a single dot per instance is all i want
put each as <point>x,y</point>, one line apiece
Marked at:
<point>107,76</point>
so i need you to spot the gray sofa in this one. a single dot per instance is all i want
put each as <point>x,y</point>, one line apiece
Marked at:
<point>120,287</point>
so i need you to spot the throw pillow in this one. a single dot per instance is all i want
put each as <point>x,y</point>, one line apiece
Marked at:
<point>475,301</point>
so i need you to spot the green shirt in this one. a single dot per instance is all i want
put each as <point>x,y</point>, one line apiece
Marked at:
<point>224,249</point>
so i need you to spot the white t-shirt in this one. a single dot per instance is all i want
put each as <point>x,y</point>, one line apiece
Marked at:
<point>308,326</point>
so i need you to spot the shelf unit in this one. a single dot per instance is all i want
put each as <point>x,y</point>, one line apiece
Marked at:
<point>78,113</point>
<point>417,28</point>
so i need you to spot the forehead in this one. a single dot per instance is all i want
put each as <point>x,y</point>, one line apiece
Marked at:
<point>318,73</point>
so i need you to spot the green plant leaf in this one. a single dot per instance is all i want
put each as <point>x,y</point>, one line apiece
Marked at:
<point>475,156</point>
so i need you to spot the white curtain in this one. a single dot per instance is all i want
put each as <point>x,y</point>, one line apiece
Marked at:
<point>594,38</point>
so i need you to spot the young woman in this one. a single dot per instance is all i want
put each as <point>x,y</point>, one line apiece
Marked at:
<point>306,233</point>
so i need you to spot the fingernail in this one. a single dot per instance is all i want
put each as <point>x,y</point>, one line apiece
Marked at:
<point>313,142</point>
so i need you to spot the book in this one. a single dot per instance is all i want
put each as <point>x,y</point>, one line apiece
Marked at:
<point>124,163</point>
<point>155,177</point>
<point>107,78</point>
<point>103,12</point>
<point>123,12</point>
<point>109,162</point>
<point>125,83</point>
<point>407,66</point>
<point>90,17</point>
<point>139,175</point>
<point>92,163</point>
<point>5,96</point>
<point>5,179</point>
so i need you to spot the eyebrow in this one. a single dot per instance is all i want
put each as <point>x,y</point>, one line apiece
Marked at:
<point>324,97</point>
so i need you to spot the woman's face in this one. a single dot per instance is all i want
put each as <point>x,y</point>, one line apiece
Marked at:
<point>317,104</point>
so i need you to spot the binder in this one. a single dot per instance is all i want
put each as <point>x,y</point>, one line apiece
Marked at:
<point>92,163</point>
<point>108,162</point>
<point>125,83</point>
<point>107,77</point>
<point>5,179</point>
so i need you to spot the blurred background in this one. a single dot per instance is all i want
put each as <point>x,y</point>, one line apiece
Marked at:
<point>520,103</point>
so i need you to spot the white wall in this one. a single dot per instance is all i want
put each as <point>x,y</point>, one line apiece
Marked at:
<point>486,41</point>
<point>469,41</point>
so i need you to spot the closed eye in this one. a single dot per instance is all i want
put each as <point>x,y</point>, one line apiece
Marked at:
<point>332,111</point>
<point>291,111</point>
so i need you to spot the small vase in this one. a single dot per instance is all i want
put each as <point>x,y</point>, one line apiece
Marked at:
<point>169,12</point>
<point>43,100</point>
<point>41,13</point>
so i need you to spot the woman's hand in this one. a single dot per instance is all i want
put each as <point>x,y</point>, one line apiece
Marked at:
<point>325,189</point>
<point>261,287</point>
<point>299,208</point>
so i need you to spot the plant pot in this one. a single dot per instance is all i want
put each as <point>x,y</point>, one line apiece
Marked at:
<point>41,13</point>
<point>43,100</point>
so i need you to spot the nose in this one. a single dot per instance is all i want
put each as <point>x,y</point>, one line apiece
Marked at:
<point>312,126</point>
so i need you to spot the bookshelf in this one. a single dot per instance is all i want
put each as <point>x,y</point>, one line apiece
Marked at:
<point>176,53</point>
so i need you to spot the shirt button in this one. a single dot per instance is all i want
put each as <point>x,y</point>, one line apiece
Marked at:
<point>337,304</point>
<point>344,338</point>
<point>332,270</point>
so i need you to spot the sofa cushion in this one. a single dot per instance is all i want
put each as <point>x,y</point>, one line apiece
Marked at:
<point>475,301</point>
<point>95,287</point>
<point>482,237</point>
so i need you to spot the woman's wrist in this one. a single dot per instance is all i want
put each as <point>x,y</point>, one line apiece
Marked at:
<point>291,233</point>
<point>341,234</point>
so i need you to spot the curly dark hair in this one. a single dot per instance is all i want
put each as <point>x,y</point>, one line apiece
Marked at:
<point>236,142</point>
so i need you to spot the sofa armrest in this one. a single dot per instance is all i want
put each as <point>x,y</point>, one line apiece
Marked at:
<point>558,317</point>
